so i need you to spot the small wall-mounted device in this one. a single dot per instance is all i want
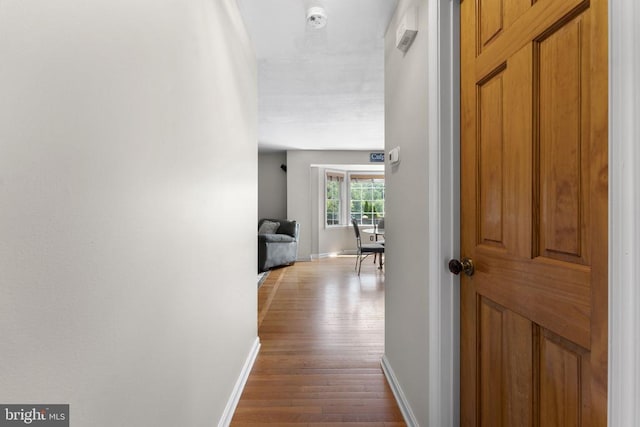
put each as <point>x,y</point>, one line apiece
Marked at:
<point>407,29</point>
<point>394,156</point>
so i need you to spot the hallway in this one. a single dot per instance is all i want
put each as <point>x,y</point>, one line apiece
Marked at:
<point>322,334</point>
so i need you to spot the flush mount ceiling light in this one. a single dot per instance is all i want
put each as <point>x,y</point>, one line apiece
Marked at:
<point>316,17</point>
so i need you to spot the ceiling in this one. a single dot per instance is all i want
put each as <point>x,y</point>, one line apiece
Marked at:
<point>319,89</point>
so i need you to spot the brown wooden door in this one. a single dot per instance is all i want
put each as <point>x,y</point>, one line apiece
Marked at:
<point>534,212</point>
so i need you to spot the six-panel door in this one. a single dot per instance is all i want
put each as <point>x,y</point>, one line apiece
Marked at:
<point>534,212</point>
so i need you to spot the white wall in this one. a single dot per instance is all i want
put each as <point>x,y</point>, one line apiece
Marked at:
<point>272,185</point>
<point>406,221</point>
<point>303,199</point>
<point>127,285</point>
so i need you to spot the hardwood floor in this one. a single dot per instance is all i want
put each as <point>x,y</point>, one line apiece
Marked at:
<point>322,333</point>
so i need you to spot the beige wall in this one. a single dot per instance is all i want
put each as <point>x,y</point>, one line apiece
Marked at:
<point>422,221</point>
<point>406,221</point>
<point>272,185</point>
<point>127,284</point>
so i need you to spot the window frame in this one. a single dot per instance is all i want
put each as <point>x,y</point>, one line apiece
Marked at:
<point>354,175</point>
<point>342,179</point>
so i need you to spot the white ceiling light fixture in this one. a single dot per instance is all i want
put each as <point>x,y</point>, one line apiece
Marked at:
<point>316,17</point>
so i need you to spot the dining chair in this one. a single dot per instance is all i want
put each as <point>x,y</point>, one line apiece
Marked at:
<point>379,235</point>
<point>364,250</point>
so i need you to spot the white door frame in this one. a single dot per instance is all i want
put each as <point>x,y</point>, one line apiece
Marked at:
<point>443,155</point>
<point>624,209</point>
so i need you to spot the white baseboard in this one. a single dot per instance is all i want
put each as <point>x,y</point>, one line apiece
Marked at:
<point>405,408</point>
<point>229,410</point>
<point>332,254</point>
<point>320,256</point>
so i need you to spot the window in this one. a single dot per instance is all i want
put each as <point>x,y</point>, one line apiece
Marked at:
<point>360,197</point>
<point>367,198</point>
<point>333,200</point>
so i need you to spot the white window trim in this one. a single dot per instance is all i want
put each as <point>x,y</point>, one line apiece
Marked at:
<point>343,198</point>
<point>364,172</point>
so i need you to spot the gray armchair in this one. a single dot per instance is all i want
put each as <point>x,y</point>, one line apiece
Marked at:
<point>277,243</point>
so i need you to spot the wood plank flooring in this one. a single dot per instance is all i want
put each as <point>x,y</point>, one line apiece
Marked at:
<point>322,333</point>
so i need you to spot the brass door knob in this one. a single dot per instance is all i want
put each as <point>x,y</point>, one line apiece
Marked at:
<point>463,265</point>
